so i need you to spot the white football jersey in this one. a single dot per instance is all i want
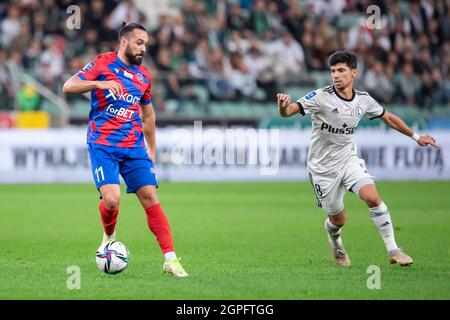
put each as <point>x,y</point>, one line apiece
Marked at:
<point>334,122</point>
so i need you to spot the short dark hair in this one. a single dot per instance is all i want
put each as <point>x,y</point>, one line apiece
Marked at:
<point>347,57</point>
<point>126,28</point>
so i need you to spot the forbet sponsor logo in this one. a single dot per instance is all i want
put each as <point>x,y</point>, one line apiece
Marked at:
<point>120,112</point>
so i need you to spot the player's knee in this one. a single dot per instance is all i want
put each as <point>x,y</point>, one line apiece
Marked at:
<point>151,199</point>
<point>372,200</point>
<point>111,200</point>
<point>338,220</point>
<point>148,197</point>
<point>370,196</point>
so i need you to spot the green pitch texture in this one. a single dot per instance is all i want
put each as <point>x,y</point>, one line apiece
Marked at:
<point>236,240</point>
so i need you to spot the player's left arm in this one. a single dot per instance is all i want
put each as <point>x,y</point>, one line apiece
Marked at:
<point>148,118</point>
<point>396,123</point>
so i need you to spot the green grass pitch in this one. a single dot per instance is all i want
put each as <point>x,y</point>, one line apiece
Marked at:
<point>236,240</point>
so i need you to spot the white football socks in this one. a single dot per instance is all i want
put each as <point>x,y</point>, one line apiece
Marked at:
<point>334,234</point>
<point>107,238</point>
<point>382,220</point>
<point>170,255</point>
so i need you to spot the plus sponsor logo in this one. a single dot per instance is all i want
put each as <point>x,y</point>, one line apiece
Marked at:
<point>344,130</point>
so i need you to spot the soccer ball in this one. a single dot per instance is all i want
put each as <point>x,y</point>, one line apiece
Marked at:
<point>112,257</point>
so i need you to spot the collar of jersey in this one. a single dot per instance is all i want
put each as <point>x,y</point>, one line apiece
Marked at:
<point>342,98</point>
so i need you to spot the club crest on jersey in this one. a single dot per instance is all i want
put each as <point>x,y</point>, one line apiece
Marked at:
<point>359,112</point>
<point>140,78</point>
<point>128,75</point>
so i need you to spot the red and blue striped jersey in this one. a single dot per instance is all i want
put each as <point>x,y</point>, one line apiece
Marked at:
<point>115,120</point>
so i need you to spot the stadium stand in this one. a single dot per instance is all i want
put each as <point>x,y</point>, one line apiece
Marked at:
<point>249,49</point>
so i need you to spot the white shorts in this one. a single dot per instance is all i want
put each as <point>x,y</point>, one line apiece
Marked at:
<point>330,189</point>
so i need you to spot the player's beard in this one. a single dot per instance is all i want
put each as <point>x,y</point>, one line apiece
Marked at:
<point>135,59</point>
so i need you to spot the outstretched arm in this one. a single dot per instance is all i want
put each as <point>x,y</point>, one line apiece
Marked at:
<point>398,124</point>
<point>285,107</point>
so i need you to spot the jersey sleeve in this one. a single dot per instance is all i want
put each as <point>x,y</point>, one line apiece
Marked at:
<point>147,97</point>
<point>310,103</point>
<point>374,109</point>
<point>91,71</point>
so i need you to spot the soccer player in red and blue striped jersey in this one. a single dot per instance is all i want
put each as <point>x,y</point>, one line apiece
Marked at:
<point>120,121</point>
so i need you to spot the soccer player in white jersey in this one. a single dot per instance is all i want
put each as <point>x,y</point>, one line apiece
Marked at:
<point>333,163</point>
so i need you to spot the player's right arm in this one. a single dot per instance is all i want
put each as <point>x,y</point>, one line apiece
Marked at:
<point>285,107</point>
<point>76,85</point>
<point>310,103</point>
<point>87,79</point>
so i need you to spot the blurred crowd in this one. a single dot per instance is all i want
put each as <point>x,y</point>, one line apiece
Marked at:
<point>236,50</point>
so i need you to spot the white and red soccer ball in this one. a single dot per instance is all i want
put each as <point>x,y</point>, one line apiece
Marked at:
<point>112,257</point>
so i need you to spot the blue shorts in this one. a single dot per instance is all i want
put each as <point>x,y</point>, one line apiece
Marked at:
<point>133,164</point>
